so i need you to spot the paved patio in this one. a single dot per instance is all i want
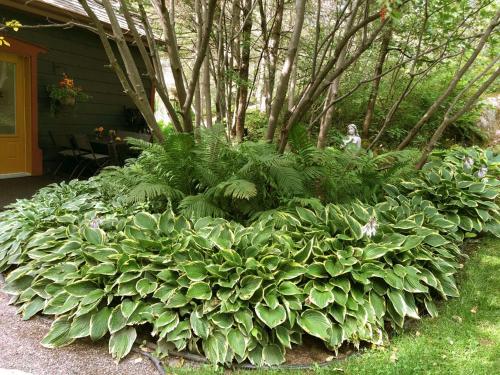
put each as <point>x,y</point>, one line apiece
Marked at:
<point>22,187</point>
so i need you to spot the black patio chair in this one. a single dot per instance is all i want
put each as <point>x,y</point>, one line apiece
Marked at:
<point>88,156</point>
<point>66,151</point>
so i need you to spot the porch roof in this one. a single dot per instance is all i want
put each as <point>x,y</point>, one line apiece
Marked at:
<point>68,10</point>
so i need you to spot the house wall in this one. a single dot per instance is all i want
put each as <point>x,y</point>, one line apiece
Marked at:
<point>78,53</point>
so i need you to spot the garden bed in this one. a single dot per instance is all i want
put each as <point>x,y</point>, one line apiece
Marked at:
<point>235,292</point>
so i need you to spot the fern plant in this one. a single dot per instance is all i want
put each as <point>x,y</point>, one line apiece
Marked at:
<point>211,177</point>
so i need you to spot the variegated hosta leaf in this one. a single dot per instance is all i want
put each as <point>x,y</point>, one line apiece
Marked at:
<point>120,343</point>
<point>273,355</point>
<point>145,220</point>
<point>237,342</point>
<point>99,323</point>
<point>235,292</point>
<point>199,324</point>
<point>271,317</point>
<point>59,334</point>
<point>199,290</point>
<point>249,284</point>
<point>316,324</point>
<point>95,236</point>
<point>215,348</point>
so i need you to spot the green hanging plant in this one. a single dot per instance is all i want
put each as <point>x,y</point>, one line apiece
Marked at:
<point>65,93</point>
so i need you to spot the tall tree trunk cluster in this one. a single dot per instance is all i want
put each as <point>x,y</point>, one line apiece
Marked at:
<point>246,54</point>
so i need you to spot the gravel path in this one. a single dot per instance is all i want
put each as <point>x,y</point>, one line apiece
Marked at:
<point>20,349</point>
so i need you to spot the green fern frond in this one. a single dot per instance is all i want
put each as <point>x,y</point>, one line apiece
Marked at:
<point>140,144</point>
<point>298,139</point>
<point>200,205</point>
<point>313,203</point>
<point>238,189</point>
<point>287,179</point>
<point>148,190</point>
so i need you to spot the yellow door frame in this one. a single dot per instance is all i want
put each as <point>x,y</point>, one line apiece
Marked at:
<point>21,166</point>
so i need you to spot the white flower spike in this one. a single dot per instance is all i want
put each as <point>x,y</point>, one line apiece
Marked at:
<point>370,228</point>
<point>482,171</point>
<point>468,163</point>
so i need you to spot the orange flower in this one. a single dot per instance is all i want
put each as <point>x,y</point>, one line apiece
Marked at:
<point>66,82</point>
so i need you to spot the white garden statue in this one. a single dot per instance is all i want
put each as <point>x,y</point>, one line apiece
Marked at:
<point>353,140</point>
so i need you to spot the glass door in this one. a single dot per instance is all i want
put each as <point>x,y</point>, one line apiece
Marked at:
<point>13,137</point>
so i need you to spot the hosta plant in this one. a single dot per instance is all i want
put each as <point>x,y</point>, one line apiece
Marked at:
<point>340,273</point>
<point>463,184</point>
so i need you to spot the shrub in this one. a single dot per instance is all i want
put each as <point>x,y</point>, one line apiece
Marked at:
<point>234,292</point>
<point>256,123</point>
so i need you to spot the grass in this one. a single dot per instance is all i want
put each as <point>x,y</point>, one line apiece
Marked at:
<point>464,339</point>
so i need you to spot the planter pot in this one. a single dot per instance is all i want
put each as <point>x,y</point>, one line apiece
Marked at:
<point>68,101</point>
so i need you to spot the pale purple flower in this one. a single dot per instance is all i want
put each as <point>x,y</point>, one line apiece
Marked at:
<point>468,163</point>
<point>370,228</point>
<point>95,222</point>
<point>482,171</point>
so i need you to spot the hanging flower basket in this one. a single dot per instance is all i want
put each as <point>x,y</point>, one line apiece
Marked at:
<point>65,94</point>
<point>68,101</point>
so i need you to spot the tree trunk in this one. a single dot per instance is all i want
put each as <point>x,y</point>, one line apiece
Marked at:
<point>243,70</point>
<point>136,87</point>
<point>274,43</point>
<point>448,119</point>
<point>452,85</point>
<point>198,109</point>
<point>157,65</point>
<point>326,76</point>
<point>198,113</point>
<point>317,33</point>
<point>263,92</point>
<point>264,89</point>
<point>286,71</point>
<point>207,98</point>
<point>220,71</point>
<point>234,63</point>
<point>175,61</point>
<point>409,85</point>
<point>327,120</point>
<point>384,49</point>
<point>205,77</point>
<point>293,83</point>
<point>203,44</point>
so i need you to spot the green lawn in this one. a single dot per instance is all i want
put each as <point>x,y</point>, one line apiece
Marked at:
<point>464,339</point>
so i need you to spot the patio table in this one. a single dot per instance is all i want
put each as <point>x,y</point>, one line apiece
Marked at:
<point>117,151</point>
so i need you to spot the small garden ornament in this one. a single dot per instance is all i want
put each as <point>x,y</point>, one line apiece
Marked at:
<point>353,140</point>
